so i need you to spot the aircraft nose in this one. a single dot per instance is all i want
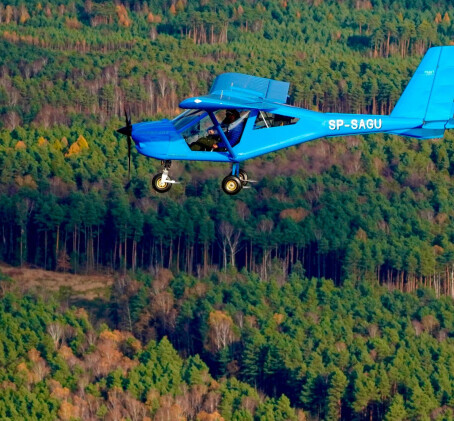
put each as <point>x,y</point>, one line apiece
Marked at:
<point>152,138</point>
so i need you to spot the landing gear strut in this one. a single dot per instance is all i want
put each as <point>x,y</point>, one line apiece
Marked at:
<point>242,175</point>
<point>162,182</point>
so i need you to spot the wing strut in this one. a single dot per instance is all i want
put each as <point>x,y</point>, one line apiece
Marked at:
<point>223,136</point>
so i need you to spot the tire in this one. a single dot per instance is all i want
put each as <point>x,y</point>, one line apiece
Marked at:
<point>243,177</point>
<point>158,185</point>
<point>231,185</point>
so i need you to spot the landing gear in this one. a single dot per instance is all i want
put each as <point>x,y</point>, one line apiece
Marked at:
<point>162,182</point>
<point>242,175</point>
<point>232,184</point>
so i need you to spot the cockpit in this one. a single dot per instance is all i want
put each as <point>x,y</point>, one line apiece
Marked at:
<point>201,134</point>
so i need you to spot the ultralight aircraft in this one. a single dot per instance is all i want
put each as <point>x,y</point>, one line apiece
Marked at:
<point>264,122</point>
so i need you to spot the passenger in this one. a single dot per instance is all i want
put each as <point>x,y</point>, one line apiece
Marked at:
<point>214,140</point>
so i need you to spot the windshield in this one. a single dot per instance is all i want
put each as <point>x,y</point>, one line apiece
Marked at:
<point>187,118</point>
<point>197,130</point>
<point>201,134</point>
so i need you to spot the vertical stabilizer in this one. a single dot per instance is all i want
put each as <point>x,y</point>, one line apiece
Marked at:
<point>429,95</point>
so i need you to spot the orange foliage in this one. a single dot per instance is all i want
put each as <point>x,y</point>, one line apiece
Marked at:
<point>73,150</point>
<point>107,356</point>
<point>278,318</point>
<point>42,141</point>
<point>154,18</point>
<point>173,10</point>
<point>13,37</point>
<point>113,335</point>
<point>64,142</point>
<point>68,411</point>
<point>80,144</point>
<point>22,367</point>
<point>8,13</point>
<point>7,385</point>
<point>26,180</point>
<point>205,416</point>
<point>24,15</point>
<point>81,313</point>
<point>441,218</point>
<point>123,17</point>
<point>162,280</point>
<point>438,250</point>
<point>297,214</point>
<point>57,391</point>
<point>20,145</point>
<point>73,23</point>
<point>34,355</point>
<point>66,352</point>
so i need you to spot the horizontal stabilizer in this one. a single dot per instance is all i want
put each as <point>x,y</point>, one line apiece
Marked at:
<point>421,133</point>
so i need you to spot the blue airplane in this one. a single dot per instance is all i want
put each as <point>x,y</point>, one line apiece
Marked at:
<point>246,116</point>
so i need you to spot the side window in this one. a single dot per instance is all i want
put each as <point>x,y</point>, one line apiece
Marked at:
<point>266,120</point>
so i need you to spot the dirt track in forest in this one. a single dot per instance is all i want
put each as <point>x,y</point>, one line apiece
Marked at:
<point>84,286</point>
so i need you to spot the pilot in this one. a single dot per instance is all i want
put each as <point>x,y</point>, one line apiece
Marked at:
<point>214,141</point>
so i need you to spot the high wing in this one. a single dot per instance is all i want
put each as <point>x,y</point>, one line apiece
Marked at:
<point>236,90</point>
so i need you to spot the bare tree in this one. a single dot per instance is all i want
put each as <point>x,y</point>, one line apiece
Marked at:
<point>265,227</point>
<point>230,236</point>
<point>56,331</point>
<point>221,333</point>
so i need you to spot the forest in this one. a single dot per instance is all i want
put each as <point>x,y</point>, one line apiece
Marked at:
<point>183,348</point>
<point>323,292</point>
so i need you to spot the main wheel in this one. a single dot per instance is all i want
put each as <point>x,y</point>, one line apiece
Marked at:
<point>231,185</point>
<point>159,185</point>
<point>243,177</point>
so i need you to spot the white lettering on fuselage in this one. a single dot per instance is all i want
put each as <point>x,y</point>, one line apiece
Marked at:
<point>361,124</point>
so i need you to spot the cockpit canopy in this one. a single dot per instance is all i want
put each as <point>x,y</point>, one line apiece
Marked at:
<point>196,124</point>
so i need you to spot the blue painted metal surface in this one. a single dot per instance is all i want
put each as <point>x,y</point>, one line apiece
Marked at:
<point>251,86</point>
<point>430,93</point>
<point>424,111</point>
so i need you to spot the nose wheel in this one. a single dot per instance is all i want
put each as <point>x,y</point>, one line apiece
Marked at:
<point>162,182</point>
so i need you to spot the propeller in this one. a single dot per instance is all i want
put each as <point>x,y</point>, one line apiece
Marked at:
<point>127,131</point>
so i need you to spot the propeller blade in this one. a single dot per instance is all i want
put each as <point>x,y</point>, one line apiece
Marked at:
<point>127,131</point>
<point>129,157</point>
<point>127,116</point>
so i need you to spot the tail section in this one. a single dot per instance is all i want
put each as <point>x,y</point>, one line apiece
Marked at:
<point>429,95</point>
